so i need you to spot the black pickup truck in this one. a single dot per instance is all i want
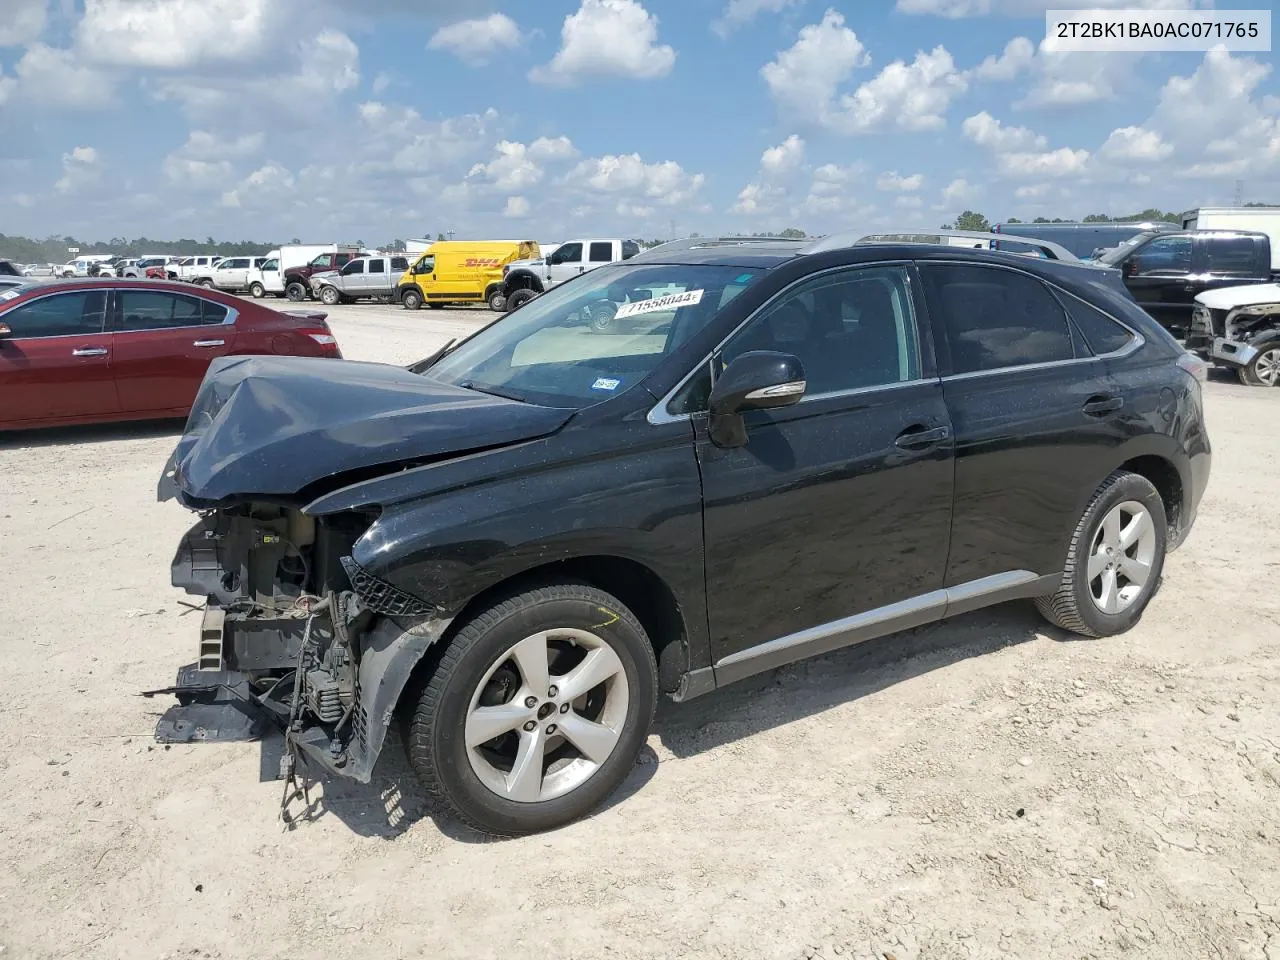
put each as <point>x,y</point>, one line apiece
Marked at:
<point>1165,272</point>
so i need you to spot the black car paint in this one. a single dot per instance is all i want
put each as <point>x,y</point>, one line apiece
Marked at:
<point>1169,295</point>
<point>822,497</point>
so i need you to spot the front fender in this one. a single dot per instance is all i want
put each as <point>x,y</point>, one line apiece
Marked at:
<point>521,280</point>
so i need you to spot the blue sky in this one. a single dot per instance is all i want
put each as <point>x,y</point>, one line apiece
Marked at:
<point>394,118</point>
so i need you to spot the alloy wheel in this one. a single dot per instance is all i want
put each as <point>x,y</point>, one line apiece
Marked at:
<point>546,715</point>
<point>1266,366</point>
<point>1121,557</point>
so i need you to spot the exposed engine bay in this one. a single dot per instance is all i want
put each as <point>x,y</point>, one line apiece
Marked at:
<point>296,632</point>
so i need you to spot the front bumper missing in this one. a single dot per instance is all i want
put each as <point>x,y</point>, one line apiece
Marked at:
<point>1232,352</point>
<point>214,706</point>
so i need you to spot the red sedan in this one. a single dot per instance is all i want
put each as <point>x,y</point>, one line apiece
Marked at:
<point>93,351</point>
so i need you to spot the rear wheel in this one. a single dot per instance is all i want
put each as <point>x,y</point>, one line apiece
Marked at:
<point>1264,369</point>
<point>330,296</point>
<point>295,291</point>
<point>411,299</point>
<point>207,283</point>
<point>536,711</point>
<point>519,298</point>
<point>1114,561</point>
<point>257,291</point>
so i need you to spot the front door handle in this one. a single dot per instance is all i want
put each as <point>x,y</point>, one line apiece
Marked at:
<point>1188,287</point>
<point>920,437</point>
<point>1100,406</point>
<point>90,352</point>
<point>209,343</point>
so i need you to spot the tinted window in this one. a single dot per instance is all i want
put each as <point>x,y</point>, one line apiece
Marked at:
<point>234,264</point>
<point>850,329</point>
<point>344,258</point>
<point>569,253</point>
<point>154,310</point>
<point>1164,255</point>
<point>996,318</point>
<point>61,315</point>
<point>399,263</point>
<point>1231,255</point>
<point>601,252</point>
<point>629,249</point>
<point>377,266</point>
<point>355,266</point>
<point>1101,333</point>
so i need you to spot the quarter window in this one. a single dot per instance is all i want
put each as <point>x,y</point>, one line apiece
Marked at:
<point>849,329</point>
<point>1100,332</point>
<point>61,315</point>
<point>996,318</point>
<point>602,252</point>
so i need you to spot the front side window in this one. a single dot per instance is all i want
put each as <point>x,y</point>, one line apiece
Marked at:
<point>850,329</point>
<point>426,265</point>
<point>61,315</point>
<point>271,266</point>
<point>1164,255</point>
<point>568,253</point>
<point>155,310</point>
<point>601,252</point>
<point>321,261</point>
<point>996,318</point>
<point>354,267</point>
<point>594,337</point>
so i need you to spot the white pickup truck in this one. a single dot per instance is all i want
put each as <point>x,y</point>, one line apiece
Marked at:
<point>197,269</point>
<point>523,280</point>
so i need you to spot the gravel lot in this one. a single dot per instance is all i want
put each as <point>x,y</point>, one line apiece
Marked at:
<point>982,787</point>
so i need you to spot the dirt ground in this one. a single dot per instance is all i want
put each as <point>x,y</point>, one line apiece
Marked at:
<point>979,788</point>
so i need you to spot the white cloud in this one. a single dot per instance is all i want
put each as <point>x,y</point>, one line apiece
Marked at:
<point>21,21</point>
<point>380,83</point>
<point>1019,53</point>
<point>176,34</point>
<point>738,13</point>
<point>516,208</point>
<point>757,198</point>
<point>908,202</point>
<point>804,79</point>
<point>511,170</point>
<point>783,158</point>
<point>546,149</point>
<point>665,183</point>
<point>1136,145</point>
<point>986,131</point>
<point>474,42</point>
<point>1075,78</point>
<point>79,168</point>
<point>204,161</point>
<point>1033,191</point>
<point>959,191</point>
<point>8,87</point>
<point>608,38</point>
<point>1062,162</point>
<point>893,181</point>
<point>267,183</point>
<point>47,76</point>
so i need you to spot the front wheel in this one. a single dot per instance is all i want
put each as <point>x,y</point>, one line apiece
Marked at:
<point>257,291</point>
<point>536,711</point>
<point>1114,561</point>
<point>296,292</point>
<point>1264,369</point>
<point>411,299</point>
<point>519,298</point>
<point>330,296</point>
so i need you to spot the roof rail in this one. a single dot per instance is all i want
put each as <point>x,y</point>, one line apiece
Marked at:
<point>694,243</point>
<point>840,241</point>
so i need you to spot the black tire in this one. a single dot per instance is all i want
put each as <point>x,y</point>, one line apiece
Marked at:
<point>497,300</point>
<point>436,306</point>
<point>1073,606</point>
<point>434,734</point>
<point>1261,371</point>
<point>601,316</point>
<point>257,291</point>
<point>519,298</point>
<point>295,291</point>
<point>330,296</point>
<point>411,299</point>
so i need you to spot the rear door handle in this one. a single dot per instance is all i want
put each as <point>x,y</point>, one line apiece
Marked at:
<point>917,438</point>
<point>210,343</point>
<point>1097,406</point>
<point>90,352</point>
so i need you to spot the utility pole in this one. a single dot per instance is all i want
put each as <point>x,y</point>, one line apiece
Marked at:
<point>1239,193</point>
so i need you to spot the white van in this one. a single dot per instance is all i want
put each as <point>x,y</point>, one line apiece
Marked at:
<point>267,278</point>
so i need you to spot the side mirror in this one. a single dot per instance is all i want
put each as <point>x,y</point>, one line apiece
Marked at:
<point>758,380</point>
<point>5,330</point>
<point>1130,268</point>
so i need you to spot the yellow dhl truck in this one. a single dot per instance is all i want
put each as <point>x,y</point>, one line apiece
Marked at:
<point>461,271</point>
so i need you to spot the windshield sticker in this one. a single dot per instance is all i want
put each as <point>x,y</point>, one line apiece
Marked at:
<point>671,301</point>
<point>9,294</point>
<point>745,278</point>
<point>605,383</point>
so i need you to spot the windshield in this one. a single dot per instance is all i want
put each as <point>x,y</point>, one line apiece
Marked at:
<point>1116,254</point>
<point>595,337</point>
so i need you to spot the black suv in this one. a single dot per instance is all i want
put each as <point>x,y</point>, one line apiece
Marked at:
<point>774,450</point>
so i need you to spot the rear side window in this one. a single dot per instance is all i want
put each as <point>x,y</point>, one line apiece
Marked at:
<point>601,252</point>
<point>154,310</point>
<point>996,318</point>
<point>1230,255</point>
<point>377,266</point>
<point>399,263</point>
<point>1101,333</point>
<point>61,315</point>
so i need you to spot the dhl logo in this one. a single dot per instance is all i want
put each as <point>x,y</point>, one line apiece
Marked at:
<point>480,262</point>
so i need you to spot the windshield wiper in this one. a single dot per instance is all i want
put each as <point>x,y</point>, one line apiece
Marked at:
<point>492,391</point>
<point>422,366</point>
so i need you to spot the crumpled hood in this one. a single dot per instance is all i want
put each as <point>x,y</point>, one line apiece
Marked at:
<point>1228,298</point>
<point>270,426</point>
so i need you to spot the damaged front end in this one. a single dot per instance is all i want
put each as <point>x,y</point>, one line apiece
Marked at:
<point>294,632</point>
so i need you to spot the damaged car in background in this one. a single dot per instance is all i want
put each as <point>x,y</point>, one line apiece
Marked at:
<point>510,548</point>
<point>1239,328</point>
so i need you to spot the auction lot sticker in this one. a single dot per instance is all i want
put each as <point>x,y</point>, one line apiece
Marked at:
<point>1157,30</point>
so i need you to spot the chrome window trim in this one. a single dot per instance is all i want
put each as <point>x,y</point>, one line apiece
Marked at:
<point>659,414</point>
<point>232,313</point>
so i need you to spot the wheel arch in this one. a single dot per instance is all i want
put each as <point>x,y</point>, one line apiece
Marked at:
<point>521,280</point>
